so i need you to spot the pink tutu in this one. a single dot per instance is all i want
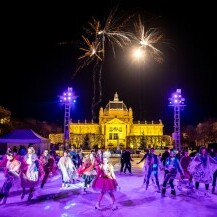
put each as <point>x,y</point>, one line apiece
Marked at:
<point>104,184</point>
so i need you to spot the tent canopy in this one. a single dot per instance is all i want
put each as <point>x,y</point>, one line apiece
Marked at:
<point>23,136</point>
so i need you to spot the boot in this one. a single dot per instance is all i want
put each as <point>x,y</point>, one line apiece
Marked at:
<point>114,206</point>
<point>213,190</point>
<point>30,194</point>
<point>173,192</point>
<point>23,194</point>
<point>97,206</point>
<point>2,195</point>
<point>158,188</point>
<point>163,192</point>
<point>4,200</point>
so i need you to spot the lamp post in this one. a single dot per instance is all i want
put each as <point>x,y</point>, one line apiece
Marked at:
<point>67,98</point>
<point>178,102</point>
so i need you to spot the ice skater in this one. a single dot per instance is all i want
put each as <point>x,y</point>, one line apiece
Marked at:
<point>68,169</point>
<point>172,166</point>
<point>152,162</point>
<point>29,172</point>
<point>105,182</point>
<point>88,170</point>
<point>185,162</point>
<point>12,175</point>
<point>202,168</point>
<point>46,166</point>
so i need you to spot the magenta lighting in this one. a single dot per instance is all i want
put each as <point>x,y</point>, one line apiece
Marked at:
<point>67,99</point>
<point>178,102</point>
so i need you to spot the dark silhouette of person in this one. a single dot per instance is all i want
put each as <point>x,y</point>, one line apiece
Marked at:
<point>127,161</point>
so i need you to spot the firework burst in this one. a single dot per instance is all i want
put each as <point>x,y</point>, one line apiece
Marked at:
<point>112,31</point>
<point>92,51</point>
<point>148,40</point>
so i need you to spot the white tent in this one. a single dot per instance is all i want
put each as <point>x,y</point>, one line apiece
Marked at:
<point>24,137</point>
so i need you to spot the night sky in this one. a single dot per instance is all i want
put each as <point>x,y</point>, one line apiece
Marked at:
<point>41,49</point>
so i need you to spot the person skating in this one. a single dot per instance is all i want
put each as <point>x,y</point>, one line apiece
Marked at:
<point>46,164</point>
<point>172,166</point>
<point>152,162</point>
<point>202,168</point>
<point>185,162</point>
<point>29,172</point>
<point>88,170</point>
<point>105,182</point>
<point>67,169</point>
<point>12,175</point>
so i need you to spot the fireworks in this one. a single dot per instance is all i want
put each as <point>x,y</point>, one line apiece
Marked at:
<point>92,52</point>
<point>148,39</point>
<point>113,33</point>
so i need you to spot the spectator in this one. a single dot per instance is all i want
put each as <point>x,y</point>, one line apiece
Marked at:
<point>127,161</point>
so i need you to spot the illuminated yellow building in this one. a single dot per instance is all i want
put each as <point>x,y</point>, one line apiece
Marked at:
<point>115,129</point>
<point>5,120</point>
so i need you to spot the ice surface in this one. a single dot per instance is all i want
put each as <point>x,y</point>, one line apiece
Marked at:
<point>132,200</point>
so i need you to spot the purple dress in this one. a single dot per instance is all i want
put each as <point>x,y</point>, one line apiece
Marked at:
<point>105,180</point>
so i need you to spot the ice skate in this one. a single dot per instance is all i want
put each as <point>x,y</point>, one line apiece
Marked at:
<point>173,192</point>
<point>4,199</point>
<point>30,196</point>
<point>2,195</point>
<point>23,194</point>
<point>97,206</point>
<point>114,206</point>
<point>213,190</point>
<point>163,193</point>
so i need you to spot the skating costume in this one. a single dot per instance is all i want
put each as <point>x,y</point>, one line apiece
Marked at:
<point>185,162</point>
<point>202,168</point>
<point>12,176</point>
<point>105,180</point>
<point>46,167</point>
<point>88,172</point>
<point>99,158</point>
<point>30,171</point>
<point>67,169</point>
<point>152,164</point>
<point>172,166</point>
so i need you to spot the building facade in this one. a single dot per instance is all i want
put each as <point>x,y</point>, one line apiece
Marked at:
<point>115,130</point>
<point>5,120</point>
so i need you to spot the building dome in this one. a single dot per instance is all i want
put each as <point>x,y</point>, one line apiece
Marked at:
<point>116,105</point>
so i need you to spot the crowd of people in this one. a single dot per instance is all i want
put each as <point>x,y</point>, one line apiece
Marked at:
<point>190,171</point>
<point>28,169</point>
